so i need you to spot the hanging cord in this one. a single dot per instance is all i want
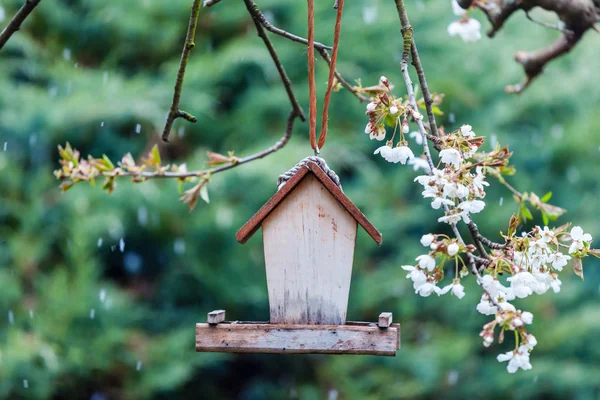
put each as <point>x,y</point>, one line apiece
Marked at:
<point>311,76</point>
<point>283,178</point>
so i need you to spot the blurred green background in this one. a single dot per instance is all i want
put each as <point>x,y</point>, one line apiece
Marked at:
<point>81,319</point>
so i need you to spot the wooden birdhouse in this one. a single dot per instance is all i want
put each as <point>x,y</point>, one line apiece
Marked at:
<point>309,232</point>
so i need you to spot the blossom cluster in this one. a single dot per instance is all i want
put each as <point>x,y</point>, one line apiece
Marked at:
<point>385,110</point>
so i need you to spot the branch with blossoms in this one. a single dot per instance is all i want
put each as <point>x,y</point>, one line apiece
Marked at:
<point>522,265</point>
<point>575,18</point>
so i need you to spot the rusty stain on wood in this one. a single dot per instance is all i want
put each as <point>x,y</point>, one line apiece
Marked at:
<point>351,338</point>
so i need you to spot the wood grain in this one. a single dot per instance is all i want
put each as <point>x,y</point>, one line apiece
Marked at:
<point>298,339</point>
<point>309,248</point>
<point>255,222</point>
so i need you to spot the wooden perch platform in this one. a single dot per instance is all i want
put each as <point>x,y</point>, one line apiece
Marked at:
<point>255,337</point>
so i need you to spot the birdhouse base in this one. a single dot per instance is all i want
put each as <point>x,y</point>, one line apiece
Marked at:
<point>263,337</point>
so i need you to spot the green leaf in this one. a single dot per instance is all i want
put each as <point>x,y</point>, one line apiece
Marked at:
<point>546,197</point>
<point>545,219</point>
<point>526,213</point>
<point>155,155</point>
<point>107,161</point>
<point>436,110</point>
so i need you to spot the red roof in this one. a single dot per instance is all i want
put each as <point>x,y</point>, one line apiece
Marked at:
<point>255,222</point>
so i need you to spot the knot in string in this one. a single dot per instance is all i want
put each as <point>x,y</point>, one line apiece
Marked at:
<point>316,146</point>
<point>283,178</point>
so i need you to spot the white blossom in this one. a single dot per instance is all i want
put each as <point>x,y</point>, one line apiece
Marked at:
<point>453,249</point>
<point>451,157</point>
<point>467,131</point>
<point>580,240</point>
<point>468,29</point>
<point>418,163</point>
<point>416,275</point>
<point>416,135</point>
<point>558,260</point>
<point>456,288</point>
<point>402,154</point>
<point>547,234</point>
<point>485,306</point>
<point>523,284</point>
<point>426,289</point>
<point>426,240</point>
<point>393,110</point>
<point>472,206</point>
<point>426,262</point>
<point>527,317</point>
<point>516,359</point>
<point>371,106</point>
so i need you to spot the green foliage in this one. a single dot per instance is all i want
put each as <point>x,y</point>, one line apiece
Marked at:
<point>116,283</point>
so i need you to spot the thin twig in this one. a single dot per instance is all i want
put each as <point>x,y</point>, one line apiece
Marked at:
<point>15,24</point>
<point>416,62</point>
<point>320,47</point>
<point>174,111</point>
<point>254,13</point>
<point>547,25</point>
<point>210,3</point>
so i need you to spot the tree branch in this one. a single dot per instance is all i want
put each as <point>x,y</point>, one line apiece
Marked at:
<point>254,13</point>
<point>174,111</point>
<point>15,24</point>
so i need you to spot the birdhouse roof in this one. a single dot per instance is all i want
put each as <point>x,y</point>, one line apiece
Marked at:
<point>255,222</point>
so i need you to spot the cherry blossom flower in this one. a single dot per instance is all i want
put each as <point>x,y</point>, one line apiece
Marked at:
<point>523,284</point>
<point>426,262</point>
<point>467,131</point>
<point>468,29</point>
<point>455,288</point>
<point>516,359</point>
<point>453,249</point>
<point>393,110</point>
<point>419,163</point>
<point>472,206</point>
<point>371,106</point>
<point>581,241</point>
<point>451,157</point>
<point>426,240</point>
<point>426,289</point>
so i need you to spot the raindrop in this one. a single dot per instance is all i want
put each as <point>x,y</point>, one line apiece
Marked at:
<point>138,366</point>
<point>181,131</point>
<point>557,131</point>
<point>132,262</point>
<point>99,242</point>
<point>573,174</point>
<point>105,78</point>
<point>25,384</point>
<point>451,118</point>
<point>452,377</point>
<point>501,201</point>
<point>52,91</point>
<point>5,144</point>
<point>92,313</point>
<point>11,317</point>
<point>67,53</point>
<point>535,379</point>
<point>179,246</point>
<point>332,395</point>
<point>69,87</point>
<point>122,245</point>
<point>102,295</point>
<point>138,129</point>
<point>142,214</point>
<point>76,65</point>
<point>493,141</point>
<point>30,313</point>
<point>369,14</point>
<point>2,14</point>
<point>224,217</point>
<point>32,139</point>
<point>102,124</point>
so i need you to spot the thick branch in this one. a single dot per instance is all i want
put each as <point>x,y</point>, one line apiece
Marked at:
<point>578,16</point>
<point>174,111</point>
<point>15,24</point>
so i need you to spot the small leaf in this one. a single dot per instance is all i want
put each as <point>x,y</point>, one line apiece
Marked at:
<point>107,161</point>
<point>436,110</point>
<point>545,219</point>
<point>204,193</point>
<point>578,267</point>
<point>526,213</point>
<point>191,196</point>
<point>66,185</point>
<point>546,197</point>
<point>594,252</point>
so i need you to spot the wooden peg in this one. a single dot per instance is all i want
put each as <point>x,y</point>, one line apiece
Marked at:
<point>214,317</point>
<point>385,319</point>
